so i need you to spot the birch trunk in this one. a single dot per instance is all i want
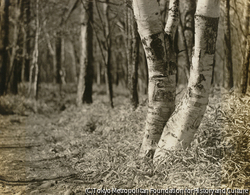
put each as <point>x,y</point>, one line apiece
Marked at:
<point>186,118</point>
<point>161,87</point>
<point>228,74</point>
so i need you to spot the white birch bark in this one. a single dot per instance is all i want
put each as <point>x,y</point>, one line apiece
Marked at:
<point>186,118</point>
<point>161,86</point>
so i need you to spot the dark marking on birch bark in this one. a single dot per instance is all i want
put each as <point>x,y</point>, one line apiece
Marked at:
<point>190,92</point>
<point>144,42</point>
<point>210,34</point>
<point>172,68</point>
<point>157,46</point>
<point>199,86</point>
<point>175,11</point>
<point>201,78</point>
<point>163,95</point>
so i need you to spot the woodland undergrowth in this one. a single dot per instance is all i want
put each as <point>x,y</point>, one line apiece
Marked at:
<point>103,143</point>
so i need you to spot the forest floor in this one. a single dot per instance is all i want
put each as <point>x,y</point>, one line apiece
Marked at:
<point>53,147</point>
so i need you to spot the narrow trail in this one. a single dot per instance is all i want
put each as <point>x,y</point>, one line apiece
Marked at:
<point>30,153</point>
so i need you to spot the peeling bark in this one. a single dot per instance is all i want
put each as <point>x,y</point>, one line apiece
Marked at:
<point>185,120</point>
<point>161,86</point>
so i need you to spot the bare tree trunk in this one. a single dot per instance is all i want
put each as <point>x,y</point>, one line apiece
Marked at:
<point>161,69</point>
<point>27,27</point>
<point>228,74</point>
<point>132,50</point>
<point>87,95</point>
<point>52,51</point>
<point>134,67</point>
<point>62,70</point>
<point>108,76</point>
<point>58,43</point>
<point>35,56</point>
<point>24,53</point>
<point>186,118</point>
<point>84,91</point>
<point>12,81</point>
<point>4,31</point>
<point>245,67</point>
<point>73,61</point>
<point>98,73</point>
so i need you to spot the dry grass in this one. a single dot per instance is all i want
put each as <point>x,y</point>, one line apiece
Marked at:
<point>102,145</point>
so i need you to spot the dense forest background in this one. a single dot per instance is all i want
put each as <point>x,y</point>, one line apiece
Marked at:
<point>56,57</point>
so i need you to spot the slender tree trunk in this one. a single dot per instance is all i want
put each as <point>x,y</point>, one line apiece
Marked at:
<point>24,53</point>
<point>87,95</point>
<point>35,55</point>
<point>228,74</point>
<point>134,67</point>
<point>62,70</point>
<point>4,31</point>
<point>12,81</point>
<point>161,69</point>
<point>98,73</point>
<point>52,51</point>
<point>84,91</point>
<point>108,76</point>
<point>245,67</point>
<point>186,118</point>
<point>28,37</point>
<point>73,61</point>
<point>132,50</point>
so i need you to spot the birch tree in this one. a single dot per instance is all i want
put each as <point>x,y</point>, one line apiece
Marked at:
<point>161,70</point>
<point>185,120</point>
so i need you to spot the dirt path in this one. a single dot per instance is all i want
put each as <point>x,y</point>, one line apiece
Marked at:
<point>33,158</point>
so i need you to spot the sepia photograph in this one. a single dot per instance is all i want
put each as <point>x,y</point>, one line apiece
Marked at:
<point>124,97</point>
